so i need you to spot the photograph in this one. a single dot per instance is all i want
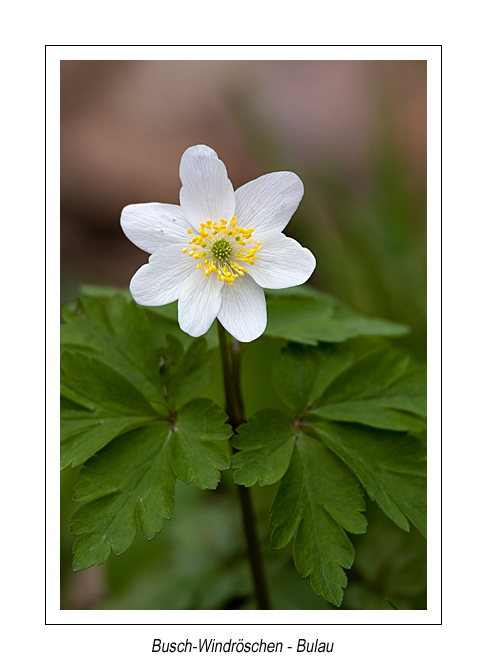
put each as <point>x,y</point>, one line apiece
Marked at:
<point>243,262</point>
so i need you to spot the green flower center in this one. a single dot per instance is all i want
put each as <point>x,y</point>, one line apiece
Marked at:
<point>226,247</point>
<point>221,249</point>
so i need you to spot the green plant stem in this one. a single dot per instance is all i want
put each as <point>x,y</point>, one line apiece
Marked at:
<point>235,411</point>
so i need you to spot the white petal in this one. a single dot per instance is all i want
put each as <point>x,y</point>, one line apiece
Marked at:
<point>243,311</point>
<point>199,302</point>
<point>267,203</point>
<point>207,192</point>
<point>159,282</point>
<point>153,225</point>
<point>282,262</point>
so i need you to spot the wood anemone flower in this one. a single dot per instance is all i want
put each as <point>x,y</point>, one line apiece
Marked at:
<point>218,249</point>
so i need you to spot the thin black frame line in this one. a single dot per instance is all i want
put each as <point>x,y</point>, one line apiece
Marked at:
<point>46,623</point>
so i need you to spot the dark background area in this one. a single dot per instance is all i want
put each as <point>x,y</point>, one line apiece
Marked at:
<point>355,132</point>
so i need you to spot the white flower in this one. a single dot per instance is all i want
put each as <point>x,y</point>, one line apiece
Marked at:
<point>217,251</point>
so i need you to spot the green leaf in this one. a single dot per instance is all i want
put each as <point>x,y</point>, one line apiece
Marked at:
<point>373,413</point>
<point>185,374</point>
<point>103,386</point>
<point>130,483</point>
<point>83,432</point>
<point>265,446</point>
<point>375,388</point>
<point>300,314</point>
<point>116,331</point>
<point>308,316</point>
<point>377,391</point>
<point>322,462</point>
<point>301,374</point>
<point>116,377</point>
<point>163,320</point>
<point>408,392</point>
<point>129,410</point>
<point>318,498</point>
<point>113,405</point>
<point>195,456</point>
<point>368,377</point>
<point>390,465</point>
<point>378,387</point>
<point>111,327</point>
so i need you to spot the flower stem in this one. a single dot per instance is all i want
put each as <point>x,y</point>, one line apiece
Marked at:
<point>235,411</point>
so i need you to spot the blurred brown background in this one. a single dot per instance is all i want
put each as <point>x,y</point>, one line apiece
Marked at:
<point>355,132</point>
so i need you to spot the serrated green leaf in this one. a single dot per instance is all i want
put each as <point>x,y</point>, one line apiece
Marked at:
<point>373,413</point>
<point>408,392</point>
<point>185,374</point>
<point>194,454</point>
<point>116,331</point>
<point>105,387</point>
<point>111,371</point>
<point>308,316</point>
<point>130,483</point>
<point>368,377</point>
<point>113,328</point>
<point>390,465</point>
<point>164,321</point>
<point>318,498</point>
<point>129,408</point>
<point>376,388</point>
<point>114,406</point>
<point>82,436</point>
<point>301,374</point>
<point>265,445</point>
<point>300,314</point>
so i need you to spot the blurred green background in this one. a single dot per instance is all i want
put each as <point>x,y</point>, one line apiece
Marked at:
<point>355,132</point>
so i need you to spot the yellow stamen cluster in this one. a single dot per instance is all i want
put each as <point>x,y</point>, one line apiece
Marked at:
<point>223,247</point>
